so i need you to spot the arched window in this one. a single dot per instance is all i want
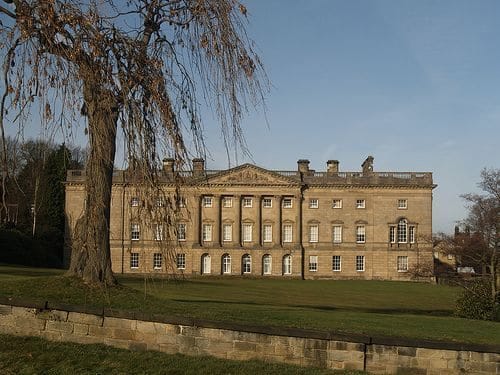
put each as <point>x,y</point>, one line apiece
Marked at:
<point>267,264</point>
<point>206,264</point>
<point>226,264</point>
<point>287,264</point>
<point>402,231</point>
<point>246,264</point>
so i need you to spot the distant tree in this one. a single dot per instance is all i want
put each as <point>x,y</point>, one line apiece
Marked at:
<point>139,66</point>
<point>477,243</point>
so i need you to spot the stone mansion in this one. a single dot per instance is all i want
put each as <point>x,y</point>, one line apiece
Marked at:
<point>252,221</point>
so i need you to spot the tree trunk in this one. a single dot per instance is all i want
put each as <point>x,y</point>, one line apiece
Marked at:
<point>90,255</point>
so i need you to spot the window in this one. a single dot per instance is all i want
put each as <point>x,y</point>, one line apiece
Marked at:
<point>207,202</point>
<point>402,204</point>
<point>402,264</point>
<point>337,233</point>
<point>267,203</point>
<point>134,260</point>
<point>227,202</point>
<point>157,261</point>
<point>135,232</point>
<point>268,233</point>
<point>411,232</point>
<point>313,233</point>
<point>247,232</point>
<point>181,232</point>
<point>360,263</point>
<point>313,263</point>
<point>392,234</point>
<point>227,232</point>
<point>247,202</point>
<point>360,203</point>
<point>360,234</point>
<point>287,203</point>
<point>207,232</point>
<point>313,203</point>
<point>336,263</point>
<point>158,232</point>
<point>181,261</point>
<point>226,264</point>
<point>206,264</point>
<point>159,202</point>
<point>181,202</point>
<point>287,265</point>
<point>337,203</point>
<point>287,233</point>
<point>246,264</point>
<point>266,264</point>
<point>134,202</point>
<point>402,231</point>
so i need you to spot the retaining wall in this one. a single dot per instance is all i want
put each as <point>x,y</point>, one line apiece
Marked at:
<point>170,334</point>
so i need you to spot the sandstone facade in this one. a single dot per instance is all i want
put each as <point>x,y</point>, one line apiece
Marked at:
<point>252,221</point>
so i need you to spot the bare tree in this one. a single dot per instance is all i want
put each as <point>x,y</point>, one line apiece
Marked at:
<point>138,66</point>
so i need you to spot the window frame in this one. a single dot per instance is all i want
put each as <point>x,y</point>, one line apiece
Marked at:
<point>134,261</point>
<point>314,203</point>
<point>313,263</point>
<point>247,202</point>
<point>360,260</point>
<point>287,233</point>
<point>227,234</point>
<point>247,232</point>
<point>226,264</point>
<point>134,202</point>
<point>412,230</point>
<point>287,264</point>
<point>267,263</point>
<point>158,232</point>
<point>181,231</point>
<point>157,261</point>
<point>336,237</point>
<point>313,233</point>
<point>180,261</point>
<point>287,202</point>
<point>402,263</point>
<point>360,203</point>
<point>208,201</point>
<point>267,202</point>
<point>402,231</point>
<point>336,203</point>
<point>246,264</point>
<point>135,231</point>
<point>207,232</point>
<point>267,235</point>
<point>360,234</point>
<point>334,263</point>
<point>403,206</point>
<point>227,202</point>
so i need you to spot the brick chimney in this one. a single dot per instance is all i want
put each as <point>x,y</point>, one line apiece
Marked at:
<point>198,167</point>
<point>368,165</point>
<point>332,167</point>
<point>303,166</point>
<point>168,166</point>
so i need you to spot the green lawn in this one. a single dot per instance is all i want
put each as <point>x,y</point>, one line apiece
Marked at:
<point>373,308</point>
<point>30,355</point>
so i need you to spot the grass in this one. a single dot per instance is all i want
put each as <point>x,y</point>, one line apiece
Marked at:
<point>30,355</point>
<point>375,308</point>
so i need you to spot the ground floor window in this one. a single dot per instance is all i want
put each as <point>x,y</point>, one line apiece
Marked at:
<point>336,263</point>
<point>360,263</point>
<point>206,264</point>
<point>181,261</point>
<point>246,263</point>
<point>313,263</point>
<point>134,260</point>
<point>157,261</point>
<point>226,263</point>
<point>402,263</point>
<point>287,264</point>
<point>266,264</point>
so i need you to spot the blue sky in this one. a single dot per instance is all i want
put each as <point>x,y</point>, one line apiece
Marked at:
<point>416,84</point>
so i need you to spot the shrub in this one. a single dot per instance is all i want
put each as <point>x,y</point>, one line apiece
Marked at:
<point>475,301</point>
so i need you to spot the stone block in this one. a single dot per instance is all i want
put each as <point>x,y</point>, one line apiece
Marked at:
<point>407,351</point>
<point>137,346</point>
<point>219,348</point>
<point>119,323</point>
<point>29,324</point>
<point>410,371</point>
<point>56,315</point>
<point>244,346</point>
<point>211,333</point>
<point>438,363</point>
<point>283,350</point>
<point>428,353</point>
<point>5,310</point>
<point>80,329</point>
<point>117,343</point>
<point>339,355</point>
<point>449,354</point>
<point>104,332</point>
<point>52,335</point>
<point>240,355</point>
<point>315,344</point>
<point>168,348</point>
<point>353,366</point>
<point>146,327</point>
<point>59,326</point>
<point>166,339</point>
<point>123,334</point>
<point>85,318</point>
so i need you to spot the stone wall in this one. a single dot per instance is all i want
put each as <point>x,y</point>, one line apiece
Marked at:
<point>138,331</point>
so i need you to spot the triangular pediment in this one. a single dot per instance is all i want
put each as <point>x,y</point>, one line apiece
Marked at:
<point>249,174</point>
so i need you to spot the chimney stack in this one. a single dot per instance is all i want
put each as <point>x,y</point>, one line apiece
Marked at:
<point>332,167</point>
<point>303,166</point>
<point>168,166</point>
<point>367,165</point>
<point>198,167</point>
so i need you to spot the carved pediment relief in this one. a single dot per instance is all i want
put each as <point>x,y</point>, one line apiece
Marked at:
<point>249,175</point>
